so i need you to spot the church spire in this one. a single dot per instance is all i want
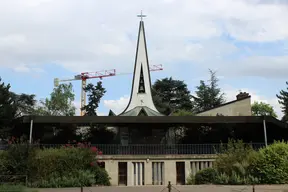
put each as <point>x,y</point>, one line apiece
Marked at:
<point>141,96</point>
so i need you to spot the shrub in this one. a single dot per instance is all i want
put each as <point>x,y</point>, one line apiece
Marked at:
<point>206,176</point>
<point>15,161</point>
<point>68,166</point>
<point>101,176</point>
<point>15,188</point>
<point>72,165</point>
<point>222,179</point>
<point>17,157</point>
<point>60,161</point>
<point>237,157</point>
<point>75,179</point>
<point>3,163</point>
<point>235,179</point>
<point>191,179</point>
<point>271,165</point>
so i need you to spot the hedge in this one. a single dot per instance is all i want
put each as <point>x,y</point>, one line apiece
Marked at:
<point>271,166</point>
<point>240,165</point>
<point>67,166</point>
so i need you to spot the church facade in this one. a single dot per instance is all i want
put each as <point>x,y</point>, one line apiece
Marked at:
<point>157,169</point>
<point>146,151</point>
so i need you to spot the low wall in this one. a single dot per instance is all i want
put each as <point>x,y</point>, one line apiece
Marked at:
<point>185,188</point>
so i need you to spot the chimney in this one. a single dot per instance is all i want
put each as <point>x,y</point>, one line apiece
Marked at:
<point>242,95</point>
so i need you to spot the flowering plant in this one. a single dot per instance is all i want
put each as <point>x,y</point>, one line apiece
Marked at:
<point>85,145</point>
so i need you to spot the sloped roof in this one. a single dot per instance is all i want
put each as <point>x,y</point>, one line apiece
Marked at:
<point>137,110</point>
<point>111,113</point>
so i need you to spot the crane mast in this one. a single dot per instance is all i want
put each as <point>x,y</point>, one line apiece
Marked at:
<point>92,75</point>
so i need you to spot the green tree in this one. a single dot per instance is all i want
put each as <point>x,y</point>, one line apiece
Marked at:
<point>6,110</point>
<point>95,93</point>
<point>96,133</point>
<point>12,106</point>
<point>171,95</point>
<point>209,95</point>
<point>283,100</point>
<point>262,109</point>
<point>60,102</point>
<point>183,113</point>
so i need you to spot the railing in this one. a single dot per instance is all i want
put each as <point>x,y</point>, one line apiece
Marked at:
<point>152,149</point>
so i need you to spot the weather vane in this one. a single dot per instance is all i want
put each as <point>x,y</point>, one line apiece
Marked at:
<point>141,16</point>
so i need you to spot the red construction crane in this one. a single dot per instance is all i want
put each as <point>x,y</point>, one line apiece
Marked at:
<point>92,75</point>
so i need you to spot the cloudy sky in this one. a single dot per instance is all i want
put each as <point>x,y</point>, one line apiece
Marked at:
<point>246,41</point>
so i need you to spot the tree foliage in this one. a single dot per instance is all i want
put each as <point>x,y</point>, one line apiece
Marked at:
<point>60,102</point>
<point>12,106</point>
<point>272,164</point>
<point>183,113</point>
<point>95,93</point>
<point>209,95</point>
<point>171,95</point>
<point>96,133</point>
<point>262,109</point>
<point>283,100</point>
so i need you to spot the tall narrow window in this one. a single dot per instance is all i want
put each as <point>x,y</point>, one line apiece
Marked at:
<point>139,175</point>
<point>158,173</point>
<point>141,82</point>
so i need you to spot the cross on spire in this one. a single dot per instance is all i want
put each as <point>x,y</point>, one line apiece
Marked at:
<point>141,16</point>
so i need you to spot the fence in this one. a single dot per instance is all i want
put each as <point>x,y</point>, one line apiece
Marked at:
<point>13,179</point>
<point>151,149</point>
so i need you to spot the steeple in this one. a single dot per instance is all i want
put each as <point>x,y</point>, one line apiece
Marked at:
<point>141,97</point>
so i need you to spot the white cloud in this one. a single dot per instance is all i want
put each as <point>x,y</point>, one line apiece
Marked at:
<point>26,69</point>
<point>77,106</point>
<point>93,35</point>
<point>117,106</point>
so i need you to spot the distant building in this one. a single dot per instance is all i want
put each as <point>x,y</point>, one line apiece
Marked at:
<point>239,107</point>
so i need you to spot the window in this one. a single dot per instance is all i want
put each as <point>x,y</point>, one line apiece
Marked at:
<point>158,173</point>
<point>141,82</point>
<point>138,171</point>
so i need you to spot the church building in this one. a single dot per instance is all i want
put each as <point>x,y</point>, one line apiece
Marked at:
<point>157,169</point>
<point>145,150</point>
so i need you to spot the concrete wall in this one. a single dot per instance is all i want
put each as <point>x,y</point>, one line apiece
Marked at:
<point>193,163</point>
<point>237,108</point>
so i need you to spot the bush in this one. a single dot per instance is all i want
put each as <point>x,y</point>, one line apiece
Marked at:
<point>271,165</point>
<point>222,179</point>
<point>14,161</point>
<point>233,164</point>
<point>101,176</point>
<point>15,188</point>
<point>61,161</point>
<point>3,163</point>
<point>191,179</point>
<point>206,176</point>
<point>68,166</point>
<point>16,158</point>
<point>237,158</point>
<point>76,179</point>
